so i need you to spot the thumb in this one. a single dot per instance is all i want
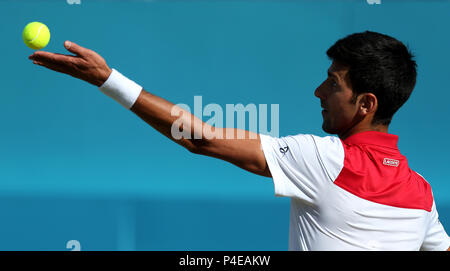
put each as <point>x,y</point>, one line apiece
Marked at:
<point>75,48</point>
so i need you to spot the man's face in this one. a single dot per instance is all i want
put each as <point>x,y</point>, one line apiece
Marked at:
<point>335,94</point>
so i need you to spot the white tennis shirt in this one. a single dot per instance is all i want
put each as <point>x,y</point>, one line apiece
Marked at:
<point>355,194</point>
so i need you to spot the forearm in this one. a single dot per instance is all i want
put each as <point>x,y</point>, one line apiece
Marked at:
<point>162,114</point>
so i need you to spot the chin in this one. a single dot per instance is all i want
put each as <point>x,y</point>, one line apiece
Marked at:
<point>327,129</point>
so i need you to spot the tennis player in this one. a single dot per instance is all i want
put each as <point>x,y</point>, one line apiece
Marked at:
<point>353,191</point>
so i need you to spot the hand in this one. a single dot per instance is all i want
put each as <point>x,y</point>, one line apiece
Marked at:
<point>86,64</point>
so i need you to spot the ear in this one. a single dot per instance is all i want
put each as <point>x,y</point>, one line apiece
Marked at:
<point>368,103</point>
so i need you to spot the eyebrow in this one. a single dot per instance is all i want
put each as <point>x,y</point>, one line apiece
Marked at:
<point>331,74</point>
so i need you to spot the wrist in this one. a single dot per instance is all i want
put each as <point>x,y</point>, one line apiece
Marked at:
<point>121,89</point>
<point>103,77</point>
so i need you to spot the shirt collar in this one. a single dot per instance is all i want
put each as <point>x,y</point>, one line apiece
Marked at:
<point>373,138</point>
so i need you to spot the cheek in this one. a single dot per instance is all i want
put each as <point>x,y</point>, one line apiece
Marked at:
<point>342,113</point>
<point>347,111</point>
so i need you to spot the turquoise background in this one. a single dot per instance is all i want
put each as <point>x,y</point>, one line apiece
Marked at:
<point>75,165</point>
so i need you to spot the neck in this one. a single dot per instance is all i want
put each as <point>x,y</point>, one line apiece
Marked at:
<point>363,128</point>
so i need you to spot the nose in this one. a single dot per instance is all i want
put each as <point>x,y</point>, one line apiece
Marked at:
<point>318,92</point>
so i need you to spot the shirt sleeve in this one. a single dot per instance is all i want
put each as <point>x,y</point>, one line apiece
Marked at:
<point>300,165</point>
<point>435,237</point>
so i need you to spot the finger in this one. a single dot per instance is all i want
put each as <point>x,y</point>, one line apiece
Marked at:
<point>58,68</point>
<point>75,48</point>
<point>48,57</point>
<point>51,66</point>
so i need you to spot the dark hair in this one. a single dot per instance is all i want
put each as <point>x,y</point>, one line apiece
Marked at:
<point>378,64</point>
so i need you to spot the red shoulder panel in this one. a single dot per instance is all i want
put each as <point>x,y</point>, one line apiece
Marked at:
<point>382,175</point>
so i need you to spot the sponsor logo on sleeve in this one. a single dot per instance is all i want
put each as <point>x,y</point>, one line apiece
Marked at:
<point>284,150</point>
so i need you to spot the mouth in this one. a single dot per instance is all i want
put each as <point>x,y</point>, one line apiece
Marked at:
<point>323,107</point>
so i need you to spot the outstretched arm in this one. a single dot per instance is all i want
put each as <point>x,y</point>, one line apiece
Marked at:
<point>242,148</point>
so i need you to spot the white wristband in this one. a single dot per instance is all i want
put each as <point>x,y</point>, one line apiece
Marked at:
<point>121,89</point>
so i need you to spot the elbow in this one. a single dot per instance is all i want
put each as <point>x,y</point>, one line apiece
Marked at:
<point>200,143</point>
<point>193,149</point>
<point>197,146</point>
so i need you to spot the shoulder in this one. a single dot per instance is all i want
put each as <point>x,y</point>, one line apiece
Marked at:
<point>305,144</point>
<point>307,152</point>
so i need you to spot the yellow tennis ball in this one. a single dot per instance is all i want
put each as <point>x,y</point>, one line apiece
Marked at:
<point>36,35</point>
